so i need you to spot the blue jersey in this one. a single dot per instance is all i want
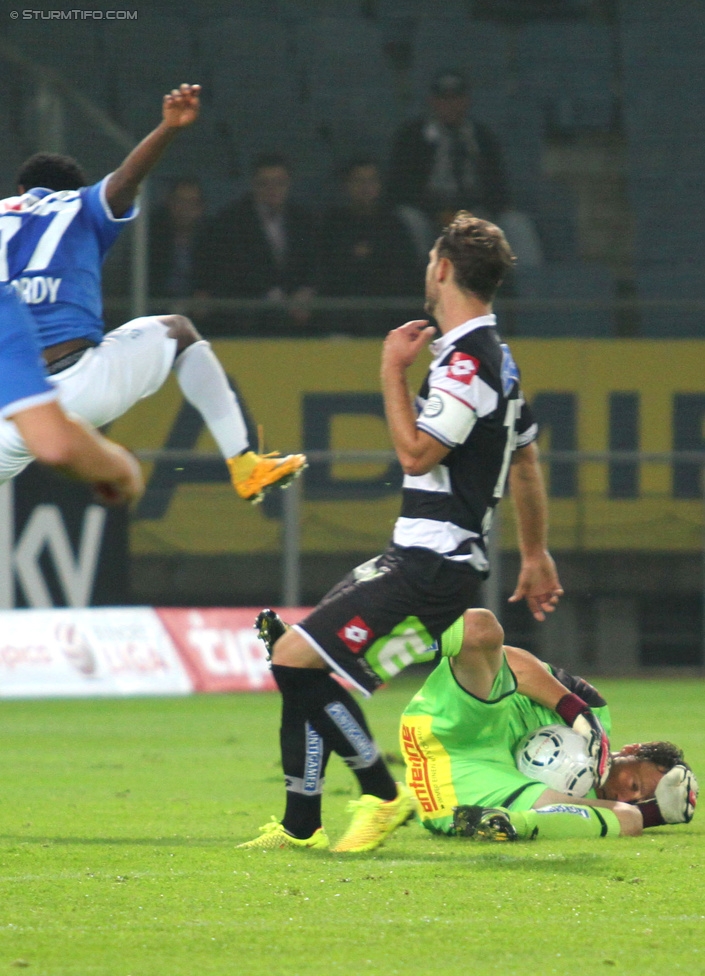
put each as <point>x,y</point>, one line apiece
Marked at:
<point>52,246</point>
<point>23,382</point>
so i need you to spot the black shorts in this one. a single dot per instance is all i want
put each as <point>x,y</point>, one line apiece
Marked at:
<point>389,613</point>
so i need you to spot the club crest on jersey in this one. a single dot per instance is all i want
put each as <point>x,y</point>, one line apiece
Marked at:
<point>355,634</point>
<point>433,406</point>
<point>509,372</point>
<point>463,367</point>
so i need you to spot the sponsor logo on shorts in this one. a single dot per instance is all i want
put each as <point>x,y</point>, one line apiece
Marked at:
<point>416,760</point>
<point>355,634</point>
<point>463,367</point>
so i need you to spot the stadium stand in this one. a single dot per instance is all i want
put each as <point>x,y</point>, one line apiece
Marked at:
<point>250,74</point>
<point>75,49</point>
<point>11,153</point>
<point>479,50</point>
<point>569,67</point>
<point>145,60</point>
<point>254,94</point>
<point>523,10</point>
<point>347,84</point>
<point>417,8</point>
<point>323,81</point>
<point>77,52</point>
<point>555,208</point>
<point>565,282</point>
<point>685,287</point>
<point>663,69</point>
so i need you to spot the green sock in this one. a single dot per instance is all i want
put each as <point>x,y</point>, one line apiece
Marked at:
<point>561,821</point>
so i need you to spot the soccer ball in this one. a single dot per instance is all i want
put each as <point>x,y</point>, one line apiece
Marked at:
<point>557,756</point>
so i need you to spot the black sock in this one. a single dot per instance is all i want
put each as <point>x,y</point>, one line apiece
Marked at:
<point>339,720</point>
<point>342,724</point>
<point>304,759</point>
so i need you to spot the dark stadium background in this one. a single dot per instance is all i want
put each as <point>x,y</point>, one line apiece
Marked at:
<point>599,108</point>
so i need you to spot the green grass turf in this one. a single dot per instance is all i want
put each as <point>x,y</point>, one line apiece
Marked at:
<point>118,825</point>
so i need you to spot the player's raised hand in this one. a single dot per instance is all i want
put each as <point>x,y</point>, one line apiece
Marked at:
<point>402,345</point>
<point>181,106</point>
<point>179,110</point>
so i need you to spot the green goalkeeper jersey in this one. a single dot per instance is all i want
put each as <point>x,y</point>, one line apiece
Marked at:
<point>459,749</point>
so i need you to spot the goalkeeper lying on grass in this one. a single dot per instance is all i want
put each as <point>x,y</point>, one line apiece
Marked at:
<point>460,732</point>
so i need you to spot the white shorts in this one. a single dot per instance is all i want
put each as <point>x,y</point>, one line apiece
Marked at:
<point>130,363</point>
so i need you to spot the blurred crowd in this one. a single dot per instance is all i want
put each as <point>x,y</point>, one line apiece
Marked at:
<point>372,241</point>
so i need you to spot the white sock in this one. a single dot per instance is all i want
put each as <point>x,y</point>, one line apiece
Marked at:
<point>204,384</point>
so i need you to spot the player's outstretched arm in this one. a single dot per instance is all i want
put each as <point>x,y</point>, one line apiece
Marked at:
<point>538,581</point>
<point>179,110</point>
<point>81,452</point>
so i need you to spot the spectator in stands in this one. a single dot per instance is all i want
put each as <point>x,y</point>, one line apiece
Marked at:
<point>366,249</point>
<point>446,161</point>
<point>264,245</point>
<point>175,230</point>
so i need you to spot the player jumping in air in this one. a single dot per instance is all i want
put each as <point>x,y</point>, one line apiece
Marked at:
<point>460,732</point>
<point>54,237</point>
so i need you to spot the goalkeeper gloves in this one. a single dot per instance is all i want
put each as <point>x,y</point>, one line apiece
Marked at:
<point>676,795</point>
<point>576,713</point>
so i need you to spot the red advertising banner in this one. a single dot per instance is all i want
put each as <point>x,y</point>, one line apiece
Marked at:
<point>219,647</point>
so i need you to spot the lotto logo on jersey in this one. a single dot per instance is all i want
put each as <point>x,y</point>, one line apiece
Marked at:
<point>356,635</point>
<point>463,367</point>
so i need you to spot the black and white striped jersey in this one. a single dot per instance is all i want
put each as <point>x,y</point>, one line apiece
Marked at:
<point>470,401</point>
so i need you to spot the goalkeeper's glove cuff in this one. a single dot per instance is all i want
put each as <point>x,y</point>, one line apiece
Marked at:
<point>576,713</point>
<point>570,707</point>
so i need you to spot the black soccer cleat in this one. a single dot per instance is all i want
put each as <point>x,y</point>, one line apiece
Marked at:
<point>483,823</point>
<point>270,627</point>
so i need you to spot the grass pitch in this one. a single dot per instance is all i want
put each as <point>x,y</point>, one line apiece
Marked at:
<point>119,819</point>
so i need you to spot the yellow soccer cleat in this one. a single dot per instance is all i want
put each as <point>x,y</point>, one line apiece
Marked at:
<point>273,837</point>
<point>374,820</point>
<point>252,474</point>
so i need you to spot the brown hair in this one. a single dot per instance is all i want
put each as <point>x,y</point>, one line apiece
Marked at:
<point>479,253</point>
<point>663,754</point>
